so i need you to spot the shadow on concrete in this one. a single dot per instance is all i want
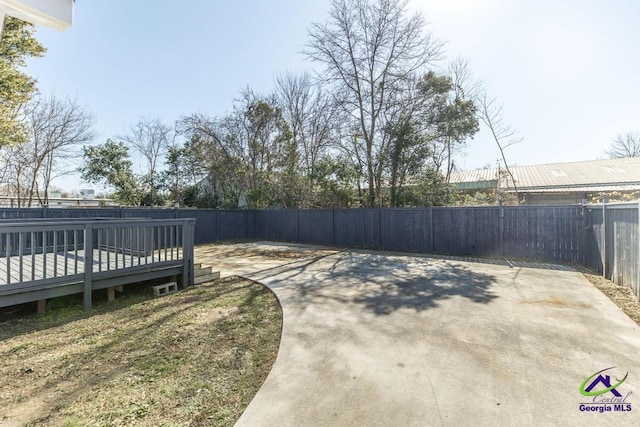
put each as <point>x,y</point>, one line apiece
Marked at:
<point>421,293</point>
<point>381,283</point>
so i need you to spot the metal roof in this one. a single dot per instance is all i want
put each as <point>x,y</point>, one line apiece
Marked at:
<point>593,175</point>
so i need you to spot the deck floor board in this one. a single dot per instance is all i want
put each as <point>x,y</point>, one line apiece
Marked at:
<point>33,266</point>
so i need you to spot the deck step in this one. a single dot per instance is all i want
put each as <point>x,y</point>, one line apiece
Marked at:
<point>208,278</point>
<point>201,271</point>
<point>165,289</point>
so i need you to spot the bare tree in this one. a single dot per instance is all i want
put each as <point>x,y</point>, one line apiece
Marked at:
<point>625,145</point>
<point>503,135</point>
<point>56,130</point>
<point>464,84</point>
<point>311,115</point>
<point>369,50</point>
<point>222,153</point>
<point>16,173</point>
<point>151,139</point>
<point>246,151</point>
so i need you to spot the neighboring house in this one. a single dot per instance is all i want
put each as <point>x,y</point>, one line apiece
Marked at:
<point>557,183</point>
<point>58,202</point>
<point>206,188</point>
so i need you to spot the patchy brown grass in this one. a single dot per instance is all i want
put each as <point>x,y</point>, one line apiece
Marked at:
<point>192,358</point>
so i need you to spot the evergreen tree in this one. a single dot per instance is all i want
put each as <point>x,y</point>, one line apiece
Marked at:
<point>16,88</point>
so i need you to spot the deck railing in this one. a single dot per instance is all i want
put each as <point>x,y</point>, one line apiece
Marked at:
<point>43,258</point>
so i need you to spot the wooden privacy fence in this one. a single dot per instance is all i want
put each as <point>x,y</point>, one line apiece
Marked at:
<point>45,258</point>
<point>554,233</point>
<point>602,237</point>
<point>550,233</point>
<point>613,236</point>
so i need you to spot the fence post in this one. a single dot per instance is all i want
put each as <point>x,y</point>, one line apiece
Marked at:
<point>246,224</point>
<point>638,255</point>
<point>255,224</point>
<point>432,228</point>
<point>88,264</point>
<point>333,226</point>
<point>188,237</point>
<point>556,235</point>
<point>604,239</point>
<point>501,215</point>
<point>379,227</point>
<point>298,225</point>
<point>217,225</point>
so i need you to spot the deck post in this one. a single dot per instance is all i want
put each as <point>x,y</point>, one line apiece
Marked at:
<point>188,229</point>
<point>88,264</point>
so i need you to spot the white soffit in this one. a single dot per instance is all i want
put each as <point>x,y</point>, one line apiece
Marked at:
<point>56,14</point>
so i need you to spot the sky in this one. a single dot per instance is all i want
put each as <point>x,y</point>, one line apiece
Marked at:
<point>565,71</point>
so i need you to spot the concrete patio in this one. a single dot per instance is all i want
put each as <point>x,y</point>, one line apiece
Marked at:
<point>375,338</point>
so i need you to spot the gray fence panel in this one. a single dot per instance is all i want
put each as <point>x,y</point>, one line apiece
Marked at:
<point>422,221</point>
<point>593,248</point>
<point>206,228</point>
<point>9,213</point>
<point>547,233</point>
<point>544,233</point>
<point>475,231</point>
<point>349,227</point>
<point>457,231</point>
<point>372,238</point>
<point>397,230</point>
<point>82,213</point>
<point>570,234</point>
<point>529,233</point>
<point>277,225</point>
<point>252,232</point>
<point>611,247</point>
<point>486,235</point>
<point>315,226</point>
<point>622,246</point>
<point>232,225</point>
<point>153,213</point>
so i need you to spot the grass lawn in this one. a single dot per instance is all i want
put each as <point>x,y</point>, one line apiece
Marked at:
<point>196,357</point>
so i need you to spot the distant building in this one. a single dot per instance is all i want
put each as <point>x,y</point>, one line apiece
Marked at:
<point>557,183</point>
<point>207,190</point>
<point>87,193</point>
<point>56,202</point>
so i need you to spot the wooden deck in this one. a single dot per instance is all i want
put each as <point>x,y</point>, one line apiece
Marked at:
<point>40,266</point>
<point>45,259</point>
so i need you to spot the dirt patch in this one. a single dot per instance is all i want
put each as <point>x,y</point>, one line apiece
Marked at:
<point>622,296</point>
<point>275,252</point>
<point>192,358</point>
